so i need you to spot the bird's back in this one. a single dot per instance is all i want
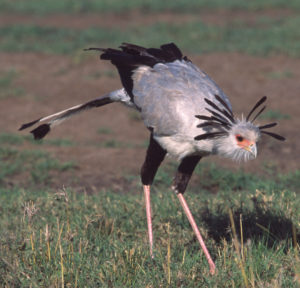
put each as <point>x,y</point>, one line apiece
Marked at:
<point>169,96</point>
<point>166,87</point>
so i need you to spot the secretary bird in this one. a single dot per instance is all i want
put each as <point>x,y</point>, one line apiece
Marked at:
<point>187,114</point>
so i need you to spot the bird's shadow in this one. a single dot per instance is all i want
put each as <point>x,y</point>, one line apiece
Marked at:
<point>259,224</point>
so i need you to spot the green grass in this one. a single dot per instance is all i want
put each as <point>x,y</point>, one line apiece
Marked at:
<point>7,88</point>
<point>36,166</point>
<point>280,74</point>
<point>77,240</point>
<point>99,74</point>
<point>214,179</point>
<point>73,239</point>
<point>266,37</point>
<point>117,6</point>
<point>274,115</point>
<point>112,143</point>
<point>104,131</point>
<point>17,139</point>
<point>29,166</point>
<point>134,116</point>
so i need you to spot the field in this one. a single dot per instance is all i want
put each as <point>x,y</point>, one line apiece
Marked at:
<point>71,206</point>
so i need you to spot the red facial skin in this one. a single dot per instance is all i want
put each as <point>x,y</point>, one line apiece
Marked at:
<point>243,142</point>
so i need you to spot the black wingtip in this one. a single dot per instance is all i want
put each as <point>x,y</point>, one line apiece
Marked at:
<point>26,125</point>
<point>41,131</point>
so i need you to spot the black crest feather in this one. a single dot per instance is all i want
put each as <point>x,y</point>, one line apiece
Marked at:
<point>259,112</point>
<point>224,104</point>
<point>274,135</point>
<point>224,119</point>
<point>224,112</point>
<point>267,126</point>
<point>210,135</point>
<point>261,101</point>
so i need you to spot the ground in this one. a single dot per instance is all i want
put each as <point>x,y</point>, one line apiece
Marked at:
<point>110,143</point>
<point>53,236</point>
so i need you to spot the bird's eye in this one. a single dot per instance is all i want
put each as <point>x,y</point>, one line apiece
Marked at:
<point>239,138</point>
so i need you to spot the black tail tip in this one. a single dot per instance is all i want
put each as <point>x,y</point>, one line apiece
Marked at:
<point>41,131</point>
<point>26,125</point>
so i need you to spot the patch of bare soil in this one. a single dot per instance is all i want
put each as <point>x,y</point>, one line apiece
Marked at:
<point>52,83</point>
<point>123,20</point>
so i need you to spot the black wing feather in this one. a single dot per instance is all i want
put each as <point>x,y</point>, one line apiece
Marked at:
<point>131,56</point>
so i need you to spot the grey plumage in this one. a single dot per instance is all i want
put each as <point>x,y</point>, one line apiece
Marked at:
<point>57,118</point>
<point>169,91</point>
<point>188,116</point>
<point>168,95</point>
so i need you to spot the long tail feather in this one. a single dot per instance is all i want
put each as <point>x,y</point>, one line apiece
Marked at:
<point>27,125</point>
<point>42,130</point>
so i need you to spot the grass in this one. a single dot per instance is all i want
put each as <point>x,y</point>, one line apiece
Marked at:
<point>30,166</point>
<point>117,6</point>
<point>104,131</point>
<point>280,74</point>
<point>274,115</point>
<point>36,163</point>
<point>17,139</point>
<point>71,239</point>
<point>7,87</point>
<point>34,167</point>
<point>99,74</point>
<point>134,116</point>
<point>68,239</point>
<point>273,37</point>
<point>112,143</point>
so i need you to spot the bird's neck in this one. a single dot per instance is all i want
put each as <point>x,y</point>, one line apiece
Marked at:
<point>225,147</point>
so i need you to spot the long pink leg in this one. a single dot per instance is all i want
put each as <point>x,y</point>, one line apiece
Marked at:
<point>149,220</point>
<point>189,215</point>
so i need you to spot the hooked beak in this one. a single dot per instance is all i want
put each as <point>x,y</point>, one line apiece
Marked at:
<point>252,149</point>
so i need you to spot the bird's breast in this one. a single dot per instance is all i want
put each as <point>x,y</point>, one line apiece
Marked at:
<point>179,146</point>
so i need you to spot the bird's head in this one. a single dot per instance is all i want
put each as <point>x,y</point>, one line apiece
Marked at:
<point>234,138</point>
